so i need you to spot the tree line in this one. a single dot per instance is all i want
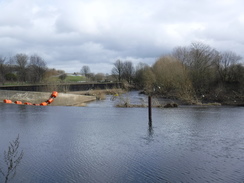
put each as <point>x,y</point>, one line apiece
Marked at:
<point>190,73</point>
<point>22,68</point>
<point>25,69</point>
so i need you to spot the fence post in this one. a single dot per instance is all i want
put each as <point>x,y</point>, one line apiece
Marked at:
<point>150,110</point>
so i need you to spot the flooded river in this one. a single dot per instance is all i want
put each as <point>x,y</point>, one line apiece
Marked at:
<point>102,143</point>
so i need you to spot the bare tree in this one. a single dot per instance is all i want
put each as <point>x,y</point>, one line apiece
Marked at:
<point>85,70</point>
<point>11,66</point>
<point>12,159</point>
<point>182,54</point>
<point>128,71</point>
<point>202,56</point>
<point>2,69</point>
<point>37,68</point>
<point>236,75</point>
<point>201,62</point>
<point>117,70</point>
<point>200,59</point>
<point>227,60</point>
<point>21,61</point>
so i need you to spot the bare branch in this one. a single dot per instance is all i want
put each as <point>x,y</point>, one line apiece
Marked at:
<point>12,159</point>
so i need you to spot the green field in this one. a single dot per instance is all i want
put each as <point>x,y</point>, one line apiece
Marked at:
<point>68,79</point>
<point>74,78</point>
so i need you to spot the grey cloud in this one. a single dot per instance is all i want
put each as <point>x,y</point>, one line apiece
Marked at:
<point>72,33</point>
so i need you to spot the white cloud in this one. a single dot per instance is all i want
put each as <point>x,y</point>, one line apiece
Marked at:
<point>69,34</point>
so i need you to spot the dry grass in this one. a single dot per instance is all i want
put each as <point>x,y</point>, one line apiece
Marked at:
<point>125,102</point>
<point>101,94</point>
<point>127,105</point>
<point>211,104</point>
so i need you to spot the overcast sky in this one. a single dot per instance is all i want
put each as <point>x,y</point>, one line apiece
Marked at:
<point>70,34</point>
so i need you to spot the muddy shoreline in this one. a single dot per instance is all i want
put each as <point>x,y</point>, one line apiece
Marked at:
<point>63,99</point>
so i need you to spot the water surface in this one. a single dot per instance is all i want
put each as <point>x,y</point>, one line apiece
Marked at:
<point>102,143</point>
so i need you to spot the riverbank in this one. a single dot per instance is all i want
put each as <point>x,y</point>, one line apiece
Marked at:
<point>63,99</point>
<point>81,98</point>
<point>204,100</point>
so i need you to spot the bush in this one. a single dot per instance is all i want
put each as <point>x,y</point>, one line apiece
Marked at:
<point>172,78</point>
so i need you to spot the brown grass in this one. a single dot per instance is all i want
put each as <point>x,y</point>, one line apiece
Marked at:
<point>125,102</point>
<point>100,94</point>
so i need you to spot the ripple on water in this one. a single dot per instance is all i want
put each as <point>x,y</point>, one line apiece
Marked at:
<point>106,144</point>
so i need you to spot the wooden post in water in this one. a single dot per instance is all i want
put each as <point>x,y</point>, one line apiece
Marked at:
<point>150,110</point>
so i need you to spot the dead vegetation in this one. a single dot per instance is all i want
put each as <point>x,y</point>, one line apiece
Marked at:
<point>100,94</point>
<point>125,102</point>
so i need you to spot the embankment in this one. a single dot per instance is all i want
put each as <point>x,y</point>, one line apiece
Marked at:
<point>63,87</point>
<point>63,99</point>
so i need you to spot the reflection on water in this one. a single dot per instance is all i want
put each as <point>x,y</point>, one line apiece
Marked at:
<point>101,143</point>
<point>149,137</point>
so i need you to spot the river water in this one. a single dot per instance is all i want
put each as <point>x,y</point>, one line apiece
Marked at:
<point>103,143</point>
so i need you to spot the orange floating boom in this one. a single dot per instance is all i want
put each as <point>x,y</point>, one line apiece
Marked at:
<point>7,101</point>
<point>54,94</point>
<point>28,103</point>
<point>18,102</point>
<point>43,104</point>
<point>49,101</point>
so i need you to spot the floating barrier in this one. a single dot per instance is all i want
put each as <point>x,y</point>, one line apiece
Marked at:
<point>7,101</point>
<point>43,104</point>
<point>49,101</point>
<point>54,94</point>
<point>18,102</point>
<point>28,103</point>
